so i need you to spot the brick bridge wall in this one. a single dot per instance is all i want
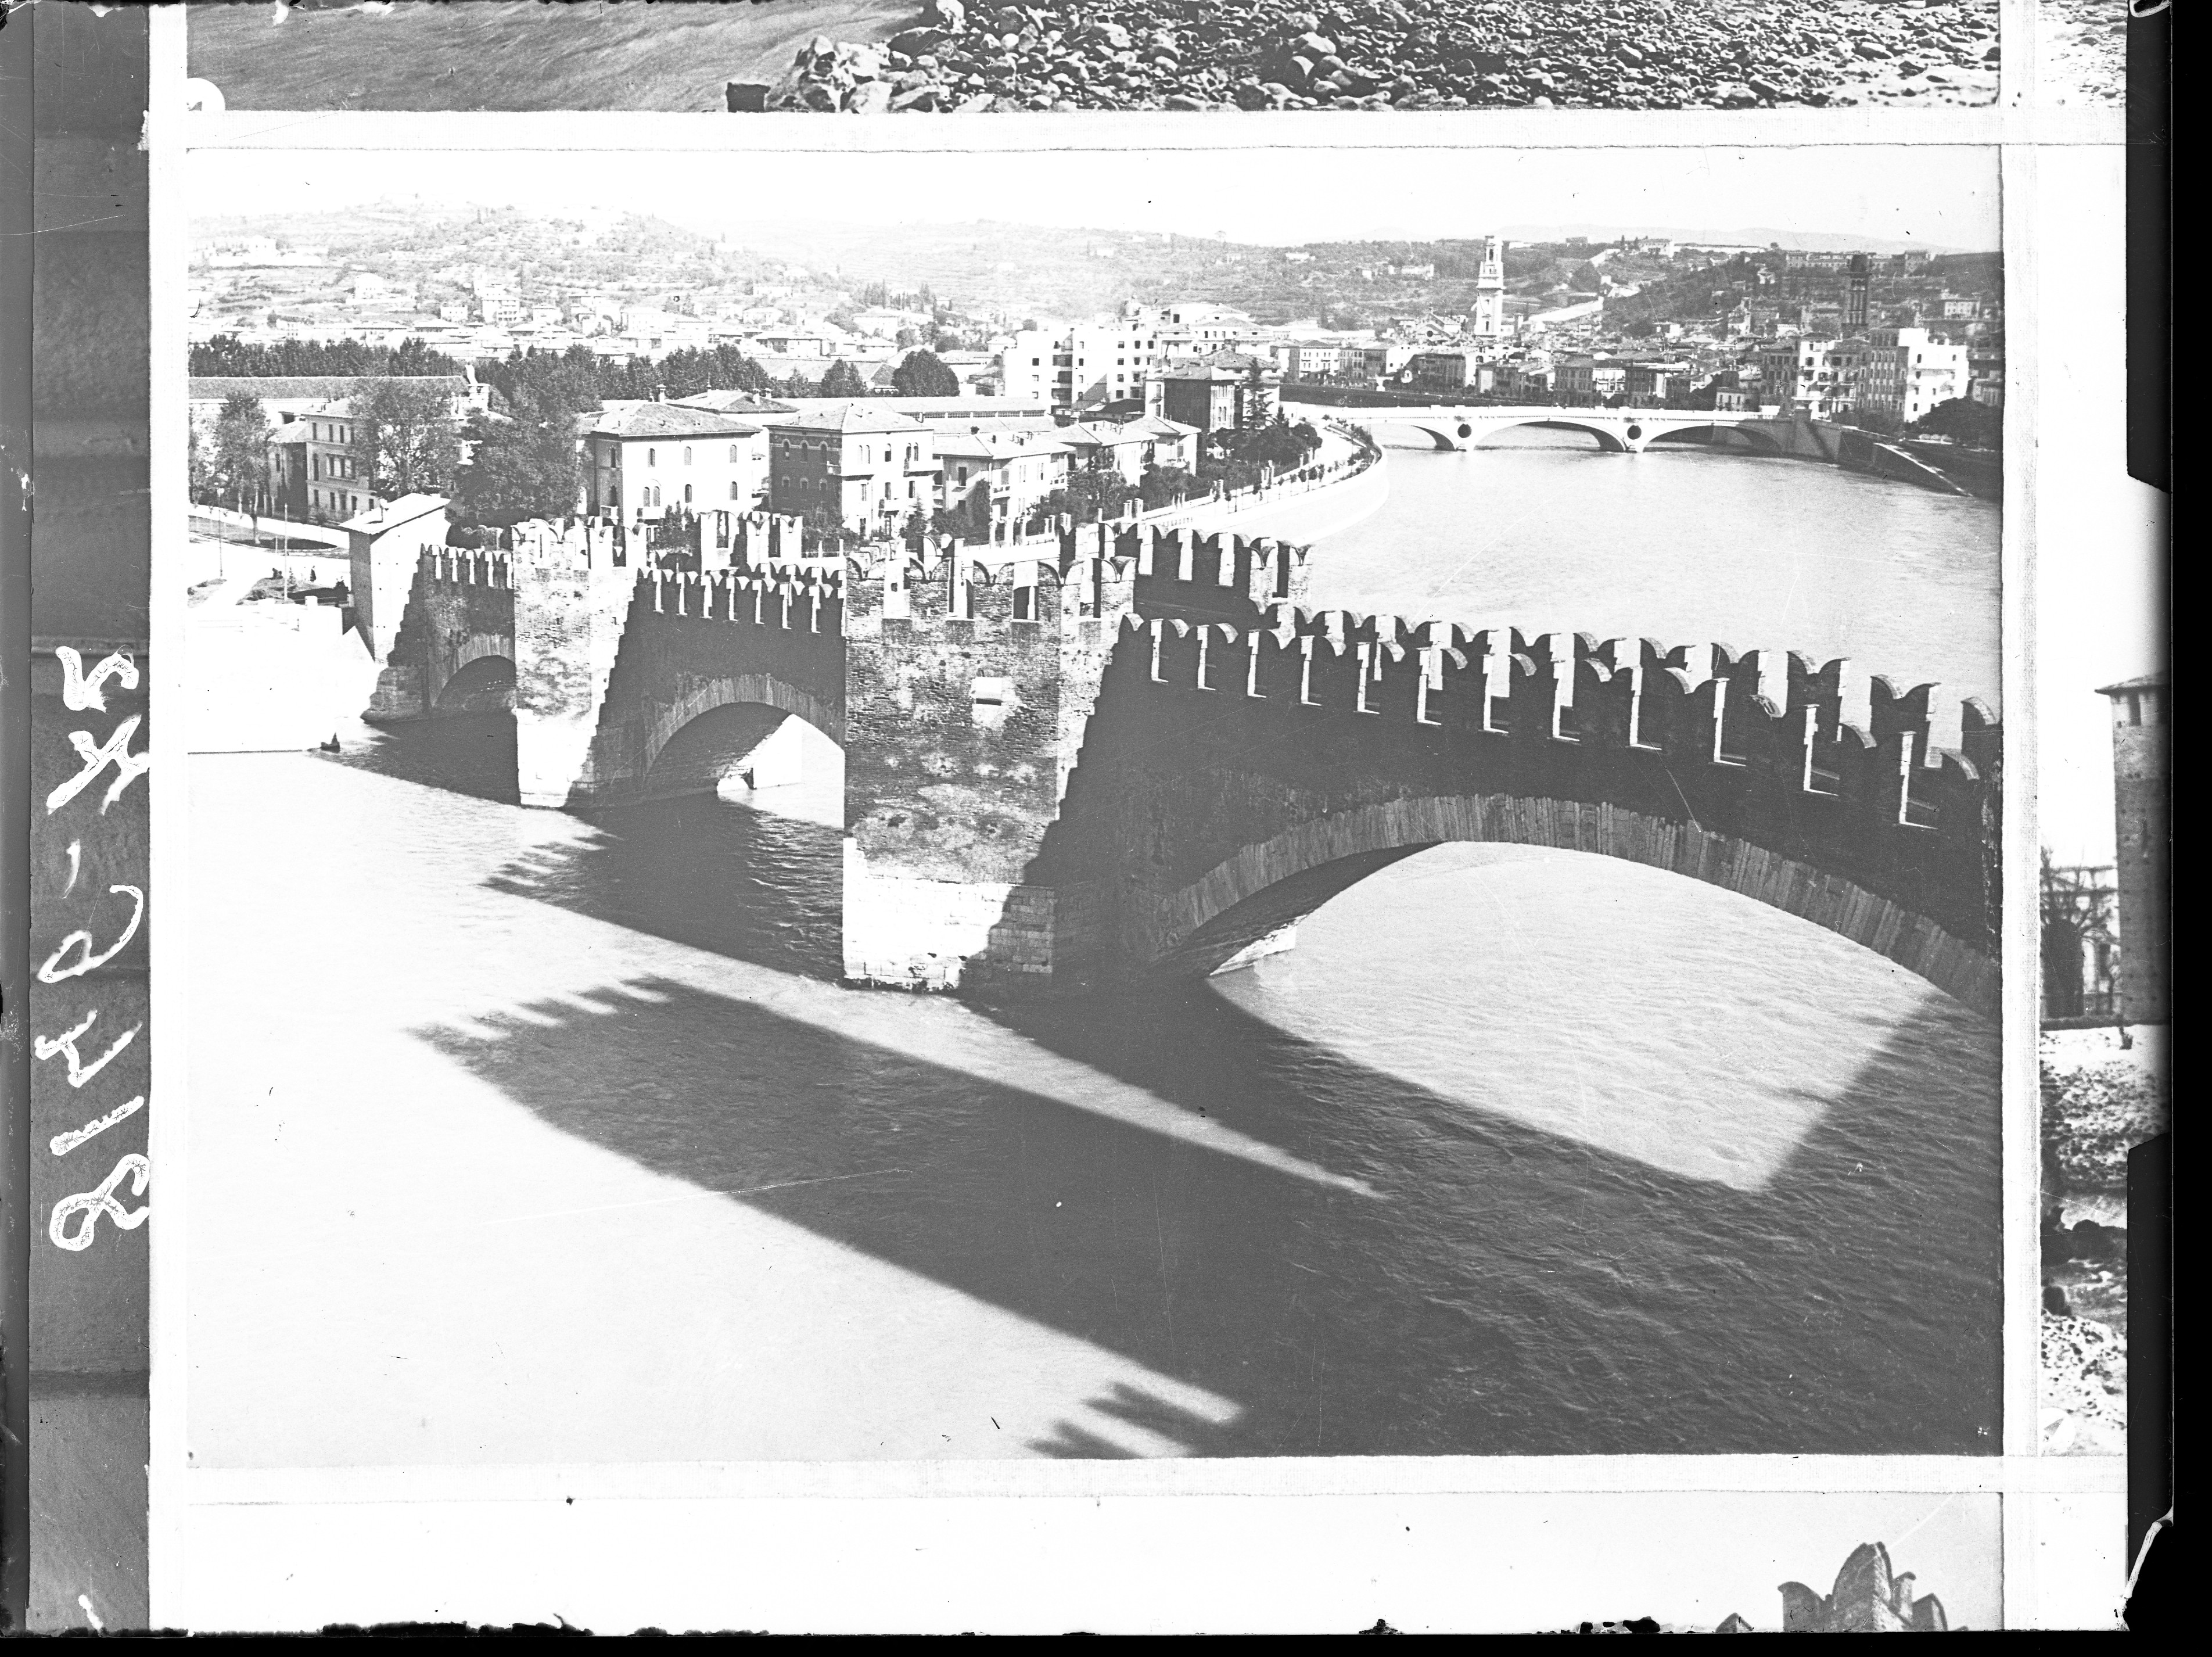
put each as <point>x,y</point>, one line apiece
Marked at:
<point>691,643</point>
<point>967,704</point>
<point>460,610</point>
<point>1236,777</point>
<point>604,663</point>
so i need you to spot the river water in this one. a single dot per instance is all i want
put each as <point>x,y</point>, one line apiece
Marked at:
<point>1519,1151</point>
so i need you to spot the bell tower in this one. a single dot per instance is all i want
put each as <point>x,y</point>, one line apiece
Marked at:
<point>1490,291</point>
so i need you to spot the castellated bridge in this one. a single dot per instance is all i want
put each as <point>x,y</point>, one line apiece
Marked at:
<point>1146,757</point>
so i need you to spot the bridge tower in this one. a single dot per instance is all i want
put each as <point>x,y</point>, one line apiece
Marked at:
<point>1490,291</point>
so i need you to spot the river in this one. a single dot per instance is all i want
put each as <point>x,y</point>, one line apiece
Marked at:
<point>1519,1151</point>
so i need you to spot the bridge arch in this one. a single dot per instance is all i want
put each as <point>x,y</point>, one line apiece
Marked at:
<point>1727,438</point>
<point>711,725</point>
<point>483,680</point>
<point>1247,901</point>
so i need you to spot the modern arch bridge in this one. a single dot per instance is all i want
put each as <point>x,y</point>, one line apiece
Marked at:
<point>1624,431</point>
<point>1145,757</point>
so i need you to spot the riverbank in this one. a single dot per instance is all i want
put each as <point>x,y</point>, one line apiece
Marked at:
<point>1107,54</point>
<point>2100,1099</point>
<point>516,54</point>
<point>2081,51</point>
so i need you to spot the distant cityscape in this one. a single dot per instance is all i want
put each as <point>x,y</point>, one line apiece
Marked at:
<point>757,362</point>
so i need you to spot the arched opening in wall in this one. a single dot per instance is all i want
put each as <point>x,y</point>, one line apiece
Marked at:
<point>484,686</point>
<point>1629,1008</point>
<point>755,755</point>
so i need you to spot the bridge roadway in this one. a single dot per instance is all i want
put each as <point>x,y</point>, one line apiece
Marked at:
<point>1625,431</point>
<point>1150,757</point>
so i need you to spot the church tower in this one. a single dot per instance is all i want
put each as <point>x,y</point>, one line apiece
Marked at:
<point>1490,292</point>
<point>1857,297</point>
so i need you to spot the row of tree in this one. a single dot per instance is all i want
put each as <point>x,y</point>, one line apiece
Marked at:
<point>588,380</point>
<point>227,355</point>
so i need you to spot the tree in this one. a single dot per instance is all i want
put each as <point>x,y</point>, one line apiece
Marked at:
<point>924,374</point>
<point>842,380</point>
<point>525,466</point>
<point>239,460</point>
<point>1962,420</point>
<point>199,474</point>
<point>1163,486</point>
<point>1259,403</point>
<point>406,438</point>
<point>226,355</point>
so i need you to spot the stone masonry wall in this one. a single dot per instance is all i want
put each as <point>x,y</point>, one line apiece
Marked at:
<point>967,703</point>
<point>692,643</point>
<point>460,609</point>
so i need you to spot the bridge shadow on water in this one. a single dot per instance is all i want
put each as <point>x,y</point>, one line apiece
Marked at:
<point>700,871</point>
<point>465,753</point>
<point>1495,1290</point>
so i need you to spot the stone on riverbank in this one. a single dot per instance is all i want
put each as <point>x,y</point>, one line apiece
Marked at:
<point>1426,54</point>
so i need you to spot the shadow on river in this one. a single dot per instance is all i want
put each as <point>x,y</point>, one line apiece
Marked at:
<point>1493,1289</point>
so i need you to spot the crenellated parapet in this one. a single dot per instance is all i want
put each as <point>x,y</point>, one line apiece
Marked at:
<point>571,543</point>
<point>808,602</point>
<point>1236,578</point>
<point>1229,762</point>
<point>460,566</point>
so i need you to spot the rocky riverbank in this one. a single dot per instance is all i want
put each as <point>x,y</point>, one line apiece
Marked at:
<point>1402,54</point>
<point>2081,52</point>
<point>2100,1099</point>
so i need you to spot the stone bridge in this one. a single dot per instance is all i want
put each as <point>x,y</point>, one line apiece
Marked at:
<point>1625,431</point>
<point>1146,756</point>
<point>625,682</point>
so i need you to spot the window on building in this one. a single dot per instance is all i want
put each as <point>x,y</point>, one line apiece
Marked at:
<point>652,457</point>
<point>687,455</point>
<point>733,489</point>
<point>687,494</point>
<point>733,454</point>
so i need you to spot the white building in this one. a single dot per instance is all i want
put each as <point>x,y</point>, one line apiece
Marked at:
<point>647,459</point>
<point>1906,374</point>
<point>1000,473</point>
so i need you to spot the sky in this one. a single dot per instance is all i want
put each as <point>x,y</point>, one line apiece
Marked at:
<point>1938,197</point>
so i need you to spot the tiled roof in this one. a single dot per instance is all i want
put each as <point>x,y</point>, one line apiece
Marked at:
<point>393,513</point>
<point>853,418</point>
<point>671,420</point>
<point>734,402</point>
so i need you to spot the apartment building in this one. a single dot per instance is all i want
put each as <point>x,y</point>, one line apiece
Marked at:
<point>645,461</point>
<point>870,468</point>
<point>1000,473</point>
<point>1907,372</point>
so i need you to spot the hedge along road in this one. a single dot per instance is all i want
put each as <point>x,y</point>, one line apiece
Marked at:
<point>519,54</point>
